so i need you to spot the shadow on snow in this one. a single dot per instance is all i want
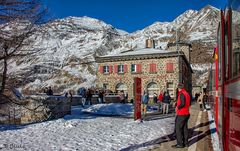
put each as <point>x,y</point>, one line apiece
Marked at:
<point>194,136</point>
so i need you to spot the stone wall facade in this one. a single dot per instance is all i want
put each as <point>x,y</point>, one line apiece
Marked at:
<point>160,80</point>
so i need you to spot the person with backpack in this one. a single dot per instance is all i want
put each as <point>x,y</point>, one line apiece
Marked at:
<point>145,100</point>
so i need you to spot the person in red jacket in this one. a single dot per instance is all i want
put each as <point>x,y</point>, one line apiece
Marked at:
<point>183,114</point>
<point>160,100</point>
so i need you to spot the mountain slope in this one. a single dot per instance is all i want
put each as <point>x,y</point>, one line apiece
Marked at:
<point>70,45</point>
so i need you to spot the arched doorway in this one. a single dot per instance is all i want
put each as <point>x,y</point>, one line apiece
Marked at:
<point>120,87</point>
<point>152,88</point>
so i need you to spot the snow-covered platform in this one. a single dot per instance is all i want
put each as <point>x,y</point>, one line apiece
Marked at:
<point>202,134</point>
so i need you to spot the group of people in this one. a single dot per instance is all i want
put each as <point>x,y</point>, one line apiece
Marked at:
<point>202,99</point>
<point>183,101</point>
<point>48,90</point>
<point>163,100</point>
<point>86,96</point>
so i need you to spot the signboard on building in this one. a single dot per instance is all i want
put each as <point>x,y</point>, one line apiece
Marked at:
<point>137,104</point>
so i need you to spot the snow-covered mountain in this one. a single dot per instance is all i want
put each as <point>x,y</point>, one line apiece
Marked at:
<point>69,47</point>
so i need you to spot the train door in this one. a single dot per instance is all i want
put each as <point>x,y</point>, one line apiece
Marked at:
<point>227,76</point>
<point>233,88</point>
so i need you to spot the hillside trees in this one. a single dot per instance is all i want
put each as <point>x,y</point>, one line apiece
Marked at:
<point>19,20</point>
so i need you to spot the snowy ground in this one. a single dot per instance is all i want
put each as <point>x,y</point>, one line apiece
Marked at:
<point>86,132</point>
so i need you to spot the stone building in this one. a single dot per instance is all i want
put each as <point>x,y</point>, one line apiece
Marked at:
<point>159,70</point>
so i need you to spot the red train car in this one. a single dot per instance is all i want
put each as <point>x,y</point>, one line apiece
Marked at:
<point>224,82</point>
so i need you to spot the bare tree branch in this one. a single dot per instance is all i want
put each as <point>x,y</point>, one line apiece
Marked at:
<point>18,22</point>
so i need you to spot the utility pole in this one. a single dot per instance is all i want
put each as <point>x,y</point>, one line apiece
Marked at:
<point>177,39</point>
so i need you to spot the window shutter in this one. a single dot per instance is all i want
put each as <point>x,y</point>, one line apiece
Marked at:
<point>151,69</point>
<point>154,68</point>
<point>116,68</point>
<point>125,68</point>
<point>139,68</point>
<point>110,69</point>
<point>169,67</point>
<point>101,69</point>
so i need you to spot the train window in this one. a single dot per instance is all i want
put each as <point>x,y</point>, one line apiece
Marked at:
<point>226,59</point>
<point>226,51</point>
<point>235,43</point>
<point>229,104</point>
<point>219,52</point>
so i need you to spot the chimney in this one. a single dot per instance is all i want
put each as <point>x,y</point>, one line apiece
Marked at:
<point>150,43</point>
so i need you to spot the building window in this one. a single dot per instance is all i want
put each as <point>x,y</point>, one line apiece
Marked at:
<point>105,86</point>
<point>152,88</point>
<point>236,62</point>
<point>120,68</point>
<point>170,89</point>
<point>105,69</point>
<point>169,67</point>
<point>134,68</point>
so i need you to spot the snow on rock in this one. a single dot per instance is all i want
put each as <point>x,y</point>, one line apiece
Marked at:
<point>201,67</point>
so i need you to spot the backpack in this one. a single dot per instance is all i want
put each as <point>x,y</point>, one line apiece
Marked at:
<point>145,99</point>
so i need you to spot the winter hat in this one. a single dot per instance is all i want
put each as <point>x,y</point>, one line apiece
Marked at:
<point>180,86</point>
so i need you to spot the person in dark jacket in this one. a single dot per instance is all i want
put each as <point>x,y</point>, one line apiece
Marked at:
<point>183,114</point>
<point>49,91</point>
<point>166,102</point>
<point>122,96</point>
<point>101,96</point>
<point>155,98</point>
<point>83,94</point>
<point>89,97</point>
<point>126,96</point>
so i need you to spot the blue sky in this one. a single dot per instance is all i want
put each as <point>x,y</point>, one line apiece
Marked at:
<point>128,15</point>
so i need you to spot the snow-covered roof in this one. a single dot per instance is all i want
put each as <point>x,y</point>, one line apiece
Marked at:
<point>144,51</point>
